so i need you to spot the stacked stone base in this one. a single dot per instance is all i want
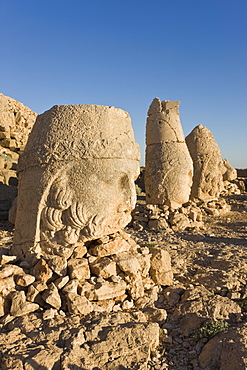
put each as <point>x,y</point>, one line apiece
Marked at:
<point>108,274</point>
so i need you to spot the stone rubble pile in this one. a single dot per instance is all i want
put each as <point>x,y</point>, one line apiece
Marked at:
<point>189,216</point>
<point>109,274</point>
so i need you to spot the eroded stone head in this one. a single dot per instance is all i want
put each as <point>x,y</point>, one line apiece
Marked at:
<point>76,178</point>
<point>169,167</point>
<point>208,165</point>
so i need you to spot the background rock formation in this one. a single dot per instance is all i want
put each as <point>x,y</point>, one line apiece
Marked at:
<point>16,122</point>
<point>169,168</point>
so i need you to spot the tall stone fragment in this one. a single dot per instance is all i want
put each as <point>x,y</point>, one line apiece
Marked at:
<point>208,164</point>
<point>169,167</point>
<point>76,179</point>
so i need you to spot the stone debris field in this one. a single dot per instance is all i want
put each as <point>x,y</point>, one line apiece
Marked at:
<point>108,266</point>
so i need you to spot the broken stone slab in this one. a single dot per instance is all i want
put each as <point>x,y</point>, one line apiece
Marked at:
<point>52,296</point>
<point>109,290</point>
<point>9,270</point>
<point>6,259</point>
<point>118,245</point>
<point>206,304</point>
<point>58,264</point>
<point>19,305</point>
<point>78,304</point>
<point>160,224</point>
<point>7,285</point>
<point>42,271</point>
<point>160,269</point>
<point>103,267</point>
<point>228,349</point>
<point>78,268</point>
<point>128,263</point>
<point>24,280</point>
<point>179,221</point>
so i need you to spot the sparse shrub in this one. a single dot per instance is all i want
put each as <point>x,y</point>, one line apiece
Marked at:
<point>151,245</point>
<point>138,190</point>
<point>210,329</point>
<point>6,157</point>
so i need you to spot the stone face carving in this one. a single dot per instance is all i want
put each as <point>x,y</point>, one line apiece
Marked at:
<point>208,164</point>
<point>169,167</point>
<point>76,179</point>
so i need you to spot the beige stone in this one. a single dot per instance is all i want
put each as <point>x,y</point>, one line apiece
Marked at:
<point>160,270</point>
<point>108,248</point>
<point>78,304</point>
<point>77,159</point>
<point>19,305</point>
<point>208,165</point>
<point>25,280</point>
<point>9,270</point>
<point>42,271</point>
<point>160,224</point>
<point>128,263</point>
<point>226,351</point>
<point>169,167</point>
<point>7,285</point>
<point>179,222</point>
<point>51,296</point>
<point>109,290</point>
<point>58,264</point>
<point>78,269</point>
<point>6,259</point>
<point>103,267</point>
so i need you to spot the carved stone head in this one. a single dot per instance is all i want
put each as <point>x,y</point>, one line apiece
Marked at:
<point>77,178</point>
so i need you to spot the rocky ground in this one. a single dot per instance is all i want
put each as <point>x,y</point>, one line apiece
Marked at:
<point>209,297</point>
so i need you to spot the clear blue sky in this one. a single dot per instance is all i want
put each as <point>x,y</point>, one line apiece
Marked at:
<point>125,53</point>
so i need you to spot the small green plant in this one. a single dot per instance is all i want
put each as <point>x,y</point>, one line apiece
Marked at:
<point>138,190</point>
<point>6,157</point>
<point>210,329</point>
<point>151,245</point>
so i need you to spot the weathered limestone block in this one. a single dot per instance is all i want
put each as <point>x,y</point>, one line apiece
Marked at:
<point>169,167</point>
<point>76,179</point>
<point>24,280</point>
<point>78,304</point>
<point>42,271</point>
<point>108,248</point>
<point>109,290</point>
<point>19,305</point>
<point>103,267</point>
<point>160,270</point>
<point>51,296</point>
<point>208,165</point>
<point>78,268</point>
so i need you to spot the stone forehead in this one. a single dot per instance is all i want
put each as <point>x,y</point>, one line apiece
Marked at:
<point>68,132</point>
